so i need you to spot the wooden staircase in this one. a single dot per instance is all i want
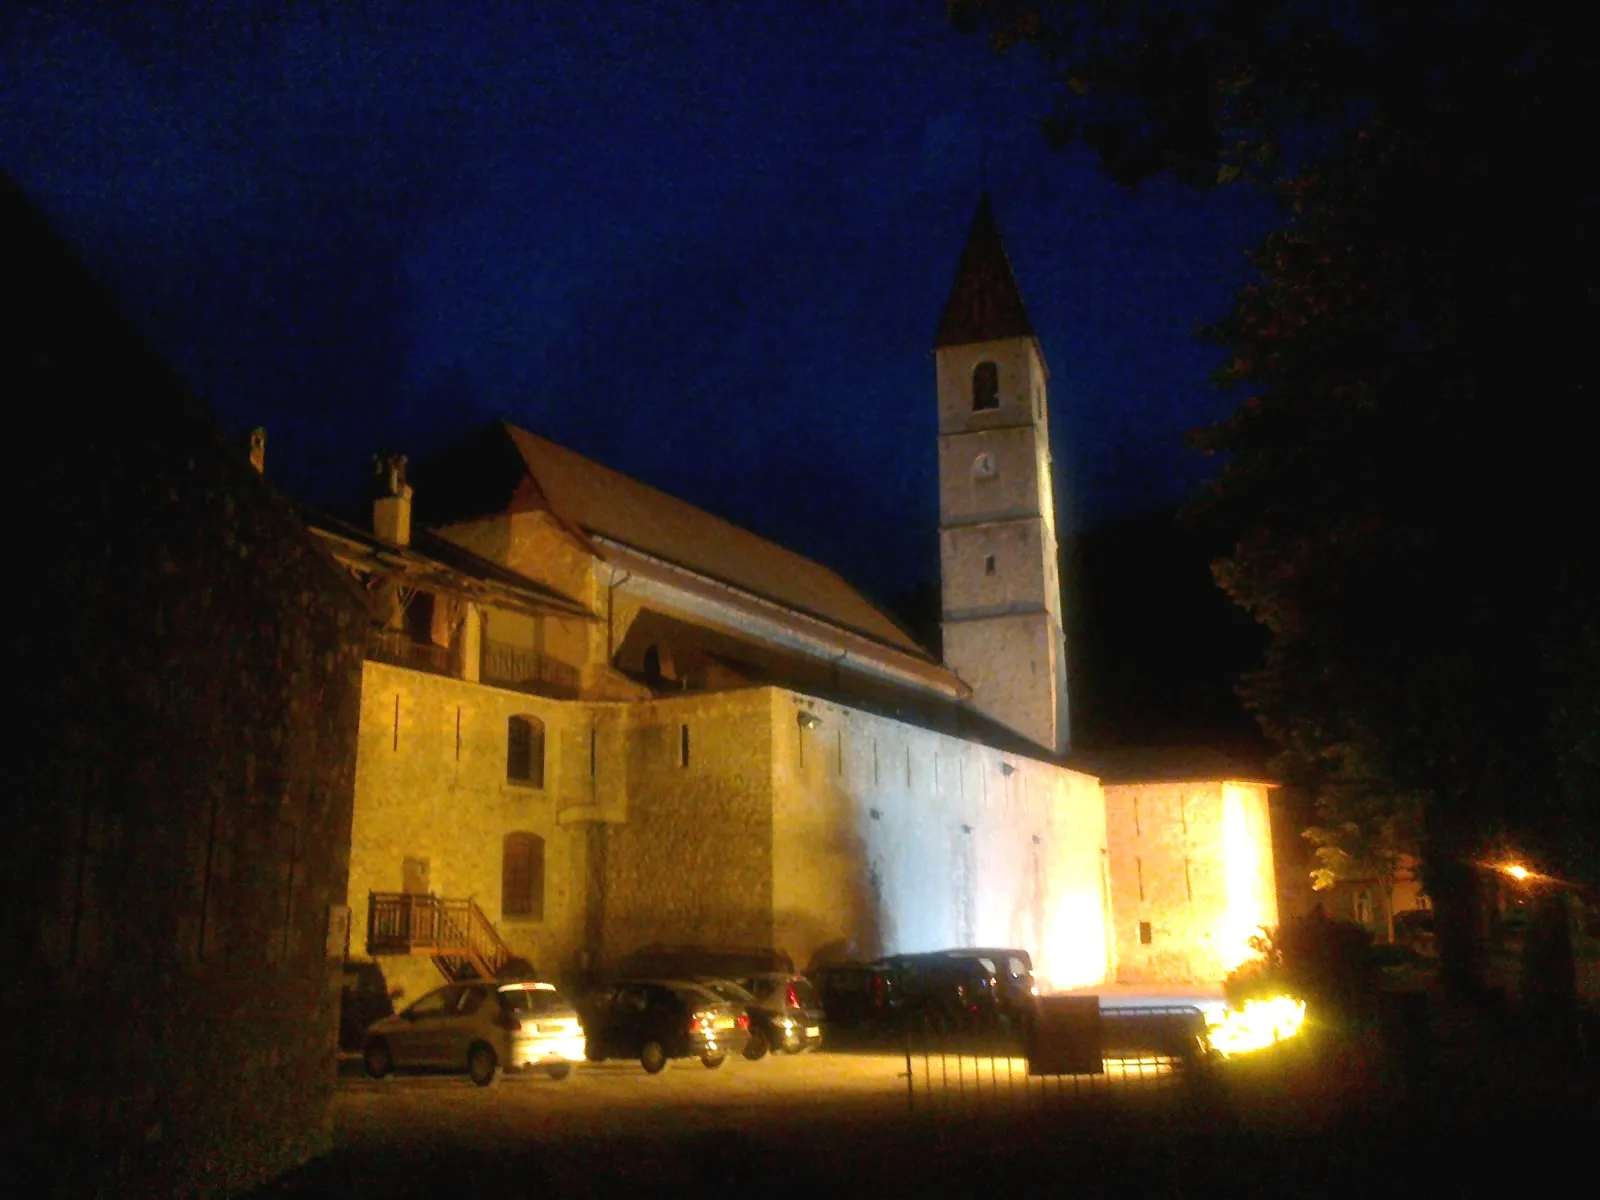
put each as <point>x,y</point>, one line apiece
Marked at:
<point>462,942</point>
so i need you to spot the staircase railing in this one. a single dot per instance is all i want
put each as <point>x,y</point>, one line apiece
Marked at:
<point>454,933</point>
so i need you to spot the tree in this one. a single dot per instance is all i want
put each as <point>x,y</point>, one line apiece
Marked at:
<point>1365,835</point>
<point>1399,481</point>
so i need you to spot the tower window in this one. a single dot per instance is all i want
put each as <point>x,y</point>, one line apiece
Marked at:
<point>683,745</point>
<point>1145,933</point>
<point>988,565</point>
<point>525,750</point>
<point>985,386</point>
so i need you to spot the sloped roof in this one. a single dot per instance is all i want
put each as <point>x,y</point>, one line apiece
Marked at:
<point>479,477</point>
<point>434,562</point>
<point>1169,764</point>
<point>985,303</point>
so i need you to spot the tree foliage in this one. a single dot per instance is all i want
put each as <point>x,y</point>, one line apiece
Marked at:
<point>1406,480</point>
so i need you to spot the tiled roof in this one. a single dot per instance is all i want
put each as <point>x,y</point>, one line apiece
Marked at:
<point>505,468</point>
<point>985,304</point>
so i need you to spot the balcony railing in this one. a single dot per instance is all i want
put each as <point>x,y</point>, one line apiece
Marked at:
<point>527,671</point>
<point>456,934</point>
<point>402,650</point>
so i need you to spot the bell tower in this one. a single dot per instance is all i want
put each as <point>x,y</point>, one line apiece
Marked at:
<point>997,516</point>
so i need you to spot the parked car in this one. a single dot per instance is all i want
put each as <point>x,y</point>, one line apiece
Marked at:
<point>1013,988</point>
<point>364,998</point>
<point>483,1027</point>
<point>862,996</point>
<point>788,1011</point>
<point>659,1019</point>
<point>746,1006</point>
<point>942,993</point>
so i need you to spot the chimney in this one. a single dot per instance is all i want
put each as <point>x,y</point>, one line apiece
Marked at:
<point>258,450</point>
<point>391,510</point>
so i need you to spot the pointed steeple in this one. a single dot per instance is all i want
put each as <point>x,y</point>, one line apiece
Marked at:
<point>986,303</point>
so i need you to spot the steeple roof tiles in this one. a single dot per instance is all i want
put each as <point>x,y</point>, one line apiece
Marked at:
<point>985,303</point>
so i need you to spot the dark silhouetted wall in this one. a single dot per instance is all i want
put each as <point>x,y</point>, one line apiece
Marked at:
<point>185,673</point>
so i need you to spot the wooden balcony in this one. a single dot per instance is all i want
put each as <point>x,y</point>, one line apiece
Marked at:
<point>525,670</point>
<point>455,934</point>
<point>400,649</point>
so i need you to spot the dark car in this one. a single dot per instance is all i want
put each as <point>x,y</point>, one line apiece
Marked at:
<point>1012,971</point>
<point>785,1014</point>
<point>654,1020</point>
<point>941,993</point>
<point>749,1010</point>
<point>364,998</point>
<point>861,997</point>
<point>788,1011</point>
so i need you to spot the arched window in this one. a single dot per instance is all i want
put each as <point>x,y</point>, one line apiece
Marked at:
<point>985,386</point>
<point>522,876</point>
<point>525,750</point>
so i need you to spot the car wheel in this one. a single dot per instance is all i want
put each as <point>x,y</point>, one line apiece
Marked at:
<point>558,1071</point>
<point>482,1065</point>
<point>756,1048</point>
<point>377,1059</point>
<point>712,1061</point>
<point>652,1058</point>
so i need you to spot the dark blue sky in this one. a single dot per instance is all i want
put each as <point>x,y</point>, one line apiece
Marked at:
<point>706,244</point>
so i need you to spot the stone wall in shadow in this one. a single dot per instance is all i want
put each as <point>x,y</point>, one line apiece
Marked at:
<point>186,671</point>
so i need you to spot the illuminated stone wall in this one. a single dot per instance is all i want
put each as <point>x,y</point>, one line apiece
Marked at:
<point>888,838</point>
<point>431,786</point>
<point>188,662</point>
<point>1191,871</point>
<point>693,862</point>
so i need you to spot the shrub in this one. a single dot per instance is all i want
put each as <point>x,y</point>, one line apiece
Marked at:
<point>1324,962</point>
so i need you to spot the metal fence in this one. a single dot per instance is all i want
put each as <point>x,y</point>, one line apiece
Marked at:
<point>1082,1054</point>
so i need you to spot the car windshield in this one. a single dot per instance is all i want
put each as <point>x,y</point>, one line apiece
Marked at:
<point>534,1002</point>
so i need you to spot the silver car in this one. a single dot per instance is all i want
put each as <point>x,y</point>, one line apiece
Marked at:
<point>482,1027</point>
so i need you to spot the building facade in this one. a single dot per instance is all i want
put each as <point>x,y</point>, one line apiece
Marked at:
<point>612,720</point>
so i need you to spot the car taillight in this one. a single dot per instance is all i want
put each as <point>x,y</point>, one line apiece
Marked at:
<point>701,1020</point>
<point>877,990</point>
<point>744,1020</point>
<point>792,997</point>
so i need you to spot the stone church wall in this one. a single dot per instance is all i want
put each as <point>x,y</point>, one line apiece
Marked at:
<point>888,838</point>
<point>1191,877</point>
<point>693,863</point>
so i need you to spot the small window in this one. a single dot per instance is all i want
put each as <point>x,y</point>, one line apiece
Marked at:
<point>683,745</point>
<point>1363,908</point>
<point>1144,933</point>
<point>525,750</point>
<point>988,565</point>
<point>522,876</point>
<point>985,386</point>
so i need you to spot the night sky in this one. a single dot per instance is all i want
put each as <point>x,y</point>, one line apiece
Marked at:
<point>707,246</point>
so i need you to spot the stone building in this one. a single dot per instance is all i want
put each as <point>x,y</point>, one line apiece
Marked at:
<point>188,663</point>
<point>609,719</point>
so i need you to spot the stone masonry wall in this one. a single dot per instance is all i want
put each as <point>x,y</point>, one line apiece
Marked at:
<point>432,787</point>
<point>188,662</point>
<point>1192,862</point>
<point>889,838</point>
<point>693,863</point>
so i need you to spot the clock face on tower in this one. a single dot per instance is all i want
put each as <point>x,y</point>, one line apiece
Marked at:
<point>983,466</point>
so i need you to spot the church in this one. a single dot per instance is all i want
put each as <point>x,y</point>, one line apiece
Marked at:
<point>595,718</point>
